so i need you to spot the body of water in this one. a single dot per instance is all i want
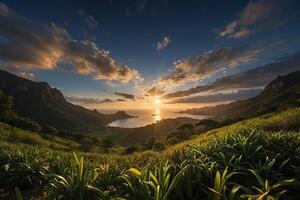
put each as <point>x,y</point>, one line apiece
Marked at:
<point>146,116</point>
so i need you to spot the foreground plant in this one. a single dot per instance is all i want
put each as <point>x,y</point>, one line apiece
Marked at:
<point>266,191</point>
<point>153,185</point>
<point>221,185</point>
<point>23,170</point>
<point>75,185</point>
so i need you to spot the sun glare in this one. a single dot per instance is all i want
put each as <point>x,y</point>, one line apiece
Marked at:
<point>157,101</point>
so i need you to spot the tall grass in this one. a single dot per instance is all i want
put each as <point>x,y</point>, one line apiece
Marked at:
<point>242,161</point>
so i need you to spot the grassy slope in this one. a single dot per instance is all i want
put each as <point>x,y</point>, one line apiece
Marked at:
<point>18,136</point>
<point>269,145</point>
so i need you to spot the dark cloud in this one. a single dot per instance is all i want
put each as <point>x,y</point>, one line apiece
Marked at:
<point>211,62</point>
<point>220,97</point>
<point>121,100</point>
<point>257,77</point>
<point>258,15</point>
<point>87,100</point>
<point>125,95</point>
<point>154,91</point>
<point>25,44</point>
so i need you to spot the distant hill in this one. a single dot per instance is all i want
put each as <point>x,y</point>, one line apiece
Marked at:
<point>47,106</point>
<point>280,94</point>
<point>142,134</point>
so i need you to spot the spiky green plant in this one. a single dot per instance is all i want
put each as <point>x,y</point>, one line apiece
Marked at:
<point>152,185</point>
<point>75,185</point>
<point>222,186</point>
<point>23,170</point>
<point>265,190</point>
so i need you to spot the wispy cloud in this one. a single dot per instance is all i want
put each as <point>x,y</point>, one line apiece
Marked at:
<point>219,97</point>
<point>89,20</point>
<point>252,78</point>
<point>154,91</point>
<point>210,63</point>
<point>126,95</point>
<point>87,100</point>
<point>257,15</point>
<point>163,44</point>
<point>29,45</point>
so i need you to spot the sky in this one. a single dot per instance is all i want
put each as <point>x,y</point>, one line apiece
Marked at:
<point>116,51</point>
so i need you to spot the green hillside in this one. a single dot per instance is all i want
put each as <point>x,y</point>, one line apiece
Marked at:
<point>47,106</point>
<point>280,94</point>
<point>253,159</point>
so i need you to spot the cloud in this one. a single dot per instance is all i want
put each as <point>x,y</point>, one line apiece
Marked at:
<point>27,75</point>
<point>163,44</point>
<point>257,77</point>
<point>121,100</point>
<point>210,63</point>
<point>220,97</point>
<point>88,19</point>
<point>257,15</point>
<point>87,100</point>
<point>25,44</point>
<point>125,95</point>
<point>154,91</point>
<point>20,72</point>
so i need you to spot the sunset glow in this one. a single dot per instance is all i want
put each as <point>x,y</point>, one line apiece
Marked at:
<point>148,96</point>
<point>157,101</point>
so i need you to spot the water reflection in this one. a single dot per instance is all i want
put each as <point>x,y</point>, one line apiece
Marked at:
<point>145,117</point>
<point>157,115</point>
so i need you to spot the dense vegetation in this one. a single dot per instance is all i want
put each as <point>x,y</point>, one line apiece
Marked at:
<point>253,159</point>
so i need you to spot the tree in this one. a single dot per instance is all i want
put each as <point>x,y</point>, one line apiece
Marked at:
<point>6,112</point>
<point>130,150</point>
<point>158,146</point>
<point>6,103</point>
<point>49,130</point>
<point>150,142</point>
<point>107,143</point>
<point>26,124</point>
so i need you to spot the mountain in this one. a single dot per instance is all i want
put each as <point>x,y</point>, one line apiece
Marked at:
<point>47,106</point>
<point>280,94</point>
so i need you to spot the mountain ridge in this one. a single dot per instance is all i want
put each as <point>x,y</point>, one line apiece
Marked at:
<point>281,93</point>
<point>46,105</point>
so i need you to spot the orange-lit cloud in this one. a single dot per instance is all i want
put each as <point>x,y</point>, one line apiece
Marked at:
<point>154,91</point>
<point>210,63</point>
<point>257,77</point>
<point>26,44</point>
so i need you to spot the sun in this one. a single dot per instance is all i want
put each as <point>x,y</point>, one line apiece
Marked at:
<point>157,101</point>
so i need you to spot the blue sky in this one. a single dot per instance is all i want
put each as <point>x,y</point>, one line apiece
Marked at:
<point>131,30</point>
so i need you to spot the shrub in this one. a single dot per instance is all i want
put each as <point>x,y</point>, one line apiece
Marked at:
<point>25,123</point>
<point>187,127</point>
<point>49,130</point>
<point>158,146</point>
<point>130,150</point>
<point>150,143</point>
<point>107,143</point>
<point>6,103</point>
